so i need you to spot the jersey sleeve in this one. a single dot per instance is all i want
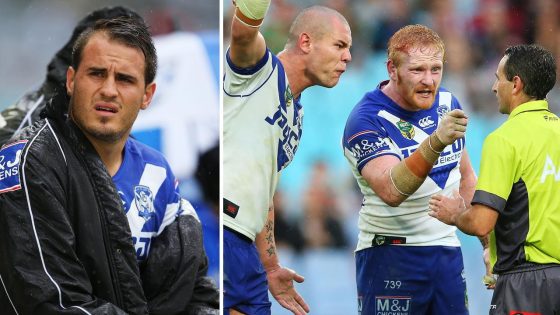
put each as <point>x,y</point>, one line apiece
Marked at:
<point>240,82</point>
<point>364,140</point>
<point>498,172</point>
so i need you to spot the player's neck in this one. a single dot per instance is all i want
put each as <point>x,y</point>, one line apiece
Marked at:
<point>110,153</point>
<point>293,66</point>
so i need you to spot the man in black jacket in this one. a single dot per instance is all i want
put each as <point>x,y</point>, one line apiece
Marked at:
<point>65,241</point>
<point>30,106</point>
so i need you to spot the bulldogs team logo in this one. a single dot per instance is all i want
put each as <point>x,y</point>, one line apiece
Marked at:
<point>144,199</point>
<point>406,129</point>
<point>442,110</point>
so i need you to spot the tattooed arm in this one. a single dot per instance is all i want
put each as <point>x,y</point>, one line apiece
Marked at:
<point>280,279</point>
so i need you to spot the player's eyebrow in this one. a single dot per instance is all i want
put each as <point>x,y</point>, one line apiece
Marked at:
<point>126,77</point>
<point>119,75</point>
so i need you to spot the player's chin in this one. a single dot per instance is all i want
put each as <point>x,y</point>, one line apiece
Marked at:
<point>330,83</point>
<point>424,103</point>
<point>106,133</point>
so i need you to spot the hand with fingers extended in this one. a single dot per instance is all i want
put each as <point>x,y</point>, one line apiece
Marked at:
<point>280,283</point>
<point>446,209</point>
<point>452,127</point>
<point>489,279</point>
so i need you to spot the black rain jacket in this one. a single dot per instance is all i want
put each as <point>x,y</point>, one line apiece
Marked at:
<point>65,242</point>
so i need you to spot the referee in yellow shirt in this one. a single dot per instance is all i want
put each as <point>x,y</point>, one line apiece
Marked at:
<point>517,197</point>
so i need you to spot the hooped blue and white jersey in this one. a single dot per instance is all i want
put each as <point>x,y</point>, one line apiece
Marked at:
<point>149,193</point>
<point>262,128</point>
<point>378,126</point>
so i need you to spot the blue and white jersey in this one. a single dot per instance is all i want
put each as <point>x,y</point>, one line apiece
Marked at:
<point>378,126</point>
<point>262,129</point>
<point>149,194</point>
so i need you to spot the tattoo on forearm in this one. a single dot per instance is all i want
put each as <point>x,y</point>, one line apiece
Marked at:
<point>271,251</point>
<point>270,238</point>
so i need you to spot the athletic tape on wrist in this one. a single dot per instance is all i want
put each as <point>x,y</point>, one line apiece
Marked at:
<point>253,9</point>
<point>410,173</point>
<point>431,147</point>
<point>421,161</point>
<point>435,142</point>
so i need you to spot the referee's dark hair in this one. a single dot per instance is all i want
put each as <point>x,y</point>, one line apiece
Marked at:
<point>534,65</point>
<point>128,30</point>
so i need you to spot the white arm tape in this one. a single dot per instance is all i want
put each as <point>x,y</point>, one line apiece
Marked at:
<point>253,9</point>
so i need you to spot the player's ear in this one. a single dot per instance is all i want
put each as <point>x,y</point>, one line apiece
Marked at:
<point>148,95</point>
<point>304,42</point>
<point>392,70</point>
<point>70,73</point>
<point>517,85</point>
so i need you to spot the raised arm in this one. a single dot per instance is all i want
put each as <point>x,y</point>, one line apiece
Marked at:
<point>247,45</point>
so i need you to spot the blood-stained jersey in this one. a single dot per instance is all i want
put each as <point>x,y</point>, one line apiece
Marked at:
<point>378,126</point>
<point>149,194</point>
<point>262,128</point>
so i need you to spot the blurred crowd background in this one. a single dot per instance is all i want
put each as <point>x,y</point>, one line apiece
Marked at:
<point>318,200</point>
<point>183,119</point>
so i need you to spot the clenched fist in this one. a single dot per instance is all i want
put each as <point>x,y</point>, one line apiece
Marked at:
<point>452,126</point>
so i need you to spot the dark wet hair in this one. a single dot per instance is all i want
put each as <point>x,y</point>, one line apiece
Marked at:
<point>130,31</point>
<point>534,65</point>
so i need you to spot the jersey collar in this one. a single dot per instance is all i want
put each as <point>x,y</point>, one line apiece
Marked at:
<point>529,107</point>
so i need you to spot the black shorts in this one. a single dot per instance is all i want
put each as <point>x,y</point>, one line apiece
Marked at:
<point>531,292</point>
